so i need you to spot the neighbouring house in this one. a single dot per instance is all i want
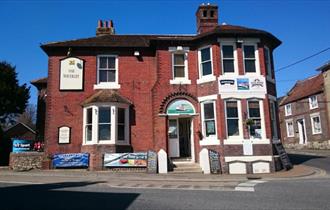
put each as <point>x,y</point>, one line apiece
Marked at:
<point>303,112</point>
<point>175,94</point>
<point>18,131</point>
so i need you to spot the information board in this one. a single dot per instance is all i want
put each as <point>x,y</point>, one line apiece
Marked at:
<point>214,158</point>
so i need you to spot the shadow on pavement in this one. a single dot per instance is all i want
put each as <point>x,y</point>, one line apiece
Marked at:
<point>53,196</point>
<point>297,159</point>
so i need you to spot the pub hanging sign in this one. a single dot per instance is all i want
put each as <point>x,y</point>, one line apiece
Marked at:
<point>71,74</point>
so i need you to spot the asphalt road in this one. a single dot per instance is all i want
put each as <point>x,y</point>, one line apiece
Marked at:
<point>322,162</point>
<point>294,194</point>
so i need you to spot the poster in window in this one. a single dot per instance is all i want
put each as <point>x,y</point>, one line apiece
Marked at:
<point>71,74</point>
<point>64,135</point>
<point>210,127</point>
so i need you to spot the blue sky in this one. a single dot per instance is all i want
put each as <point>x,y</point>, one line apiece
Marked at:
<point>302,26</point>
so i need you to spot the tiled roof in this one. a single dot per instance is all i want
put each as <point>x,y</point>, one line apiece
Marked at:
<point>106,96</point>
<point>305,88</point>
<point>145,40</point>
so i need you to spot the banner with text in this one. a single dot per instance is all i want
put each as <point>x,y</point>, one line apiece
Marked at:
<point>138,159</point>
<point>71,160</point>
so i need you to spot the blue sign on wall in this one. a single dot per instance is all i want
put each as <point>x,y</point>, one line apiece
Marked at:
<point>71,160</point>
<point>20,145</point>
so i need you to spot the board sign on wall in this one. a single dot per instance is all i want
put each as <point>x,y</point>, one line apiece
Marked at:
<point>180,107</point>
<point>71,74</point>
<point>71,160</point>
<point>242,86</point>
<point>138,159</point>
<point>64,135</point>
<point>21,145</point>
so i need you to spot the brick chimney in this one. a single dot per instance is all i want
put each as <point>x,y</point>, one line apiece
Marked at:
<point>207,17</point>
<point>105,28</point>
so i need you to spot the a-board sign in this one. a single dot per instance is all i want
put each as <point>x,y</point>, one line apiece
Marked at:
<point>152,162</point>
<point>214,158</point>
<point>283,156</point>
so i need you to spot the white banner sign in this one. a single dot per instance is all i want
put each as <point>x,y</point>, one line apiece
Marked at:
<point>242,86</point>
<point>71,74</point>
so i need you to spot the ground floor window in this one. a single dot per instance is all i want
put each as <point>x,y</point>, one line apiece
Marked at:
<point>209,119</point>
<point>316,124</point>
<point>106,124</point>
<point>255,119</point>
<point>289,128</point>
<point>232,118</point>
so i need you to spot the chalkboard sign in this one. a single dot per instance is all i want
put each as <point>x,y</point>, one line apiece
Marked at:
<point>152,162</point>
<point>283,156</point>
<point>214,162</point>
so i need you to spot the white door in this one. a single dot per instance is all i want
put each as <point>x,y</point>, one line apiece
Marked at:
<point>301,130</point>
<point>173,138</point>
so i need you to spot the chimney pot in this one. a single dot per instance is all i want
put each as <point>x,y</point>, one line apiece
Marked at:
<point>105,27</point>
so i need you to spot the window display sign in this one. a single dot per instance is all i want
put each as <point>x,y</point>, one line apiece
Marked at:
<point>64,134</point>
<point>71,160</point>
<point>125,159</point>
<point>180,107</point>
<point>20,145</point>
<point>242,86</point>
<point>71,74</point>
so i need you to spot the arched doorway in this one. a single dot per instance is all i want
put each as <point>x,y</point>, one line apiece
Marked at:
<point>180,113</point>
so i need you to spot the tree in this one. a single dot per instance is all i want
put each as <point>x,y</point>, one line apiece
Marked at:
<point>13,97</point>
<point>29,116</point>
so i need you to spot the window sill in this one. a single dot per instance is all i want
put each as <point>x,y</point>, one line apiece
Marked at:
<point>316,133</point>
<point>241,141</point>
<point>209,141</point>
<point>206,79</point>
<point>109,85</point>
<point>180,82</point>
<point>99,143</point>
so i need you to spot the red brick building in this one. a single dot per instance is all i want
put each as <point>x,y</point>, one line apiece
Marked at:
<point>179,93</point>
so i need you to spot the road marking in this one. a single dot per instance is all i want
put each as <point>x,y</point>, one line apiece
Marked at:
<point>248,186</point>
<point>15,182</point>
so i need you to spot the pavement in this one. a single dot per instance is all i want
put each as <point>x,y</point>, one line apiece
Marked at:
<point>183,181</point>
<point>320,153</point>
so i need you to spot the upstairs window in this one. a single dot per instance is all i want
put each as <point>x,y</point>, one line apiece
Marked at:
<point>268,63</point>
<point>228,58</point>
<point>254,117</point>
<point>107,72</point>
<point>249,57</point>
<point>205,64</point>
<point>288,110</point>
<point>313,102</point>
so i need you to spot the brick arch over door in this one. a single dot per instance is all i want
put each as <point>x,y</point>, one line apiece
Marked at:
<point>174,96</point>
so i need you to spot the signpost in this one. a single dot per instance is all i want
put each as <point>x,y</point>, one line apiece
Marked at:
<point>214,162</point>
<point>283,156</point>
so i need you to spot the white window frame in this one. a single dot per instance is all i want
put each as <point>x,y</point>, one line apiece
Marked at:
<point>213,136</point>
<point>180,50</point>
<point>256,55</point>
<point>107,85</point>
<point>288,111</point>
<point>262,118</point>
<point>113,132</point>
<point>233,44</point>
<point>310,99</point>
<point>208,78</point>
<point>273,119</point>
<point>287,128</point>
<point>312,116</point>
<point>240,121</point>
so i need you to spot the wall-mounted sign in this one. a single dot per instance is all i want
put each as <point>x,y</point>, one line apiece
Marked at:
<point>71,160</point>
<point>247,147</point>
<point>64,135</point>
<point>20,145</point>
<point>242,86</point>
<point>180,107</point>
<point>125,159</point>
<point>71,74</point>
